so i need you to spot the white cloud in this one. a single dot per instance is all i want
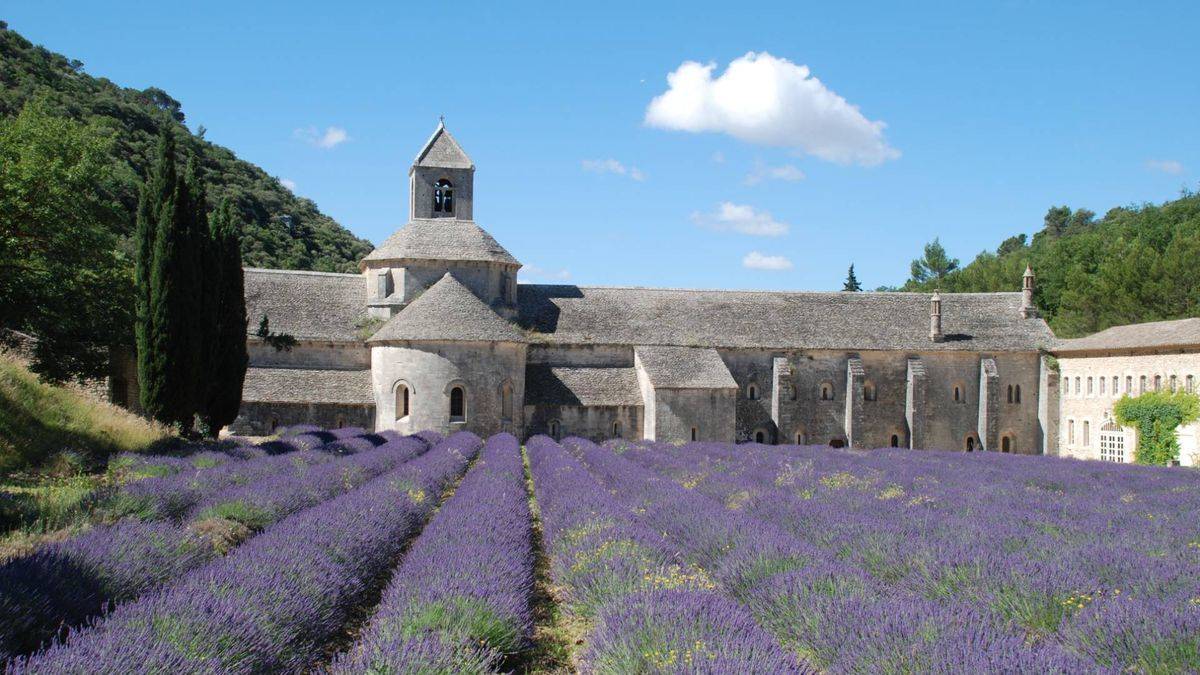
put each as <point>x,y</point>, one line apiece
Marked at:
<point>757,261</point>
<point>730,217</point>
<point>535,273</point>
<point>771,101</point>
<point>328,139</point>
<point>1165,165</point>
<point>288,183</point>
<point>612,166</point>
<point>761,172</point>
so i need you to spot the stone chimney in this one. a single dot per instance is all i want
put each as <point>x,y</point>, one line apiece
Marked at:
<point>1028,309</point>
<point>935,317</point>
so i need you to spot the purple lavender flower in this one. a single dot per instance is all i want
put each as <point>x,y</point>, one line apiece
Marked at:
<point>272,604</point>
<point>467,579</point>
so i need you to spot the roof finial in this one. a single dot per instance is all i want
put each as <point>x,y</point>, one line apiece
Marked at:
<point>441,120</point>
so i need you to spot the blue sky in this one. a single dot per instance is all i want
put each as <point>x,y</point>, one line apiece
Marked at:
<point>993,112</point>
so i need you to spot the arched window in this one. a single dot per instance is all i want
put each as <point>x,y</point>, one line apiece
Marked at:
<point>958,395</point>
<point>553,429</point>
<point>443,197</point>
<point>341,422</point>
<point>1158,383</point>
<point>826,391</point>
<point>1142,384</point>
<point>1102,384</point>
<point>1089,385</point>
<point>895,440</point>
<point>1112,443</point>
<point>458,404</point>
<point>1010,394</point>
<point>506,401</point>
<point>1129,385</point>
<point>970,444</point>
<point>1017,398</point>
<point>1066,387</point>
<point>617,429</point>
<point>402,400</point>
<point>760,436</point>
<point>869,391</point>
<point>1087,433</point>
<point>1190,384</point>
<point>801,437</point>
<point>1173,384</point>
<point>1006,444</point>
<point>1077,381</point>
<point>274,424</point>
<point>752,392</point>
<point>1116,386</point>
<point>694,433</point>
<point>1071,432</point>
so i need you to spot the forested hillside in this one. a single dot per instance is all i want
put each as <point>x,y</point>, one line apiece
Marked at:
<point>1134,264</point>
<point>280,229</point>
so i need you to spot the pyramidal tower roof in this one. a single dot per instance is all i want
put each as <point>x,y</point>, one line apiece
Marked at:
<point>442,150</point>
<point>447,311</point>
<point>442,239</point>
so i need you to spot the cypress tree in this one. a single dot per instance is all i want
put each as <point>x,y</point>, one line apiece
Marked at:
<point>156,198</point>
<point>169,392</point>
<point>227,365</point>
<point>198,274</point>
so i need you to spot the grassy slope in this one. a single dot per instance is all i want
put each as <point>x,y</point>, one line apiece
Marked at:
<point>37,421</point>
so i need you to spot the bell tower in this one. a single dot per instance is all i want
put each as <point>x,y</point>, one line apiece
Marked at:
<point>441,180</point>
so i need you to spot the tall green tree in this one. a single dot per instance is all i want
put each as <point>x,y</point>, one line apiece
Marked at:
<point>63,280</point>
<point>934,265</point>
<point>168,365</point>
<point>156,194</point>
<point>226,371</point>
<point>851,283</point>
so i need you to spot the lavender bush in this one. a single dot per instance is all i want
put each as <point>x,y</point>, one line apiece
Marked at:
<point>466,581</point>
<point>66,583</point>
<point>274,603</point>
<point>934,561</point>
<point>651,611</point>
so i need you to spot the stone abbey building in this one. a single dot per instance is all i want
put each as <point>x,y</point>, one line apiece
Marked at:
<point>436,333</point>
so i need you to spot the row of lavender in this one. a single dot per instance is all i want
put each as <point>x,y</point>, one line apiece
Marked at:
<point>275,603</point>
<point>65,583</point>
<point>987,562</point>
<point>643,607</point>
<point>460,601</point>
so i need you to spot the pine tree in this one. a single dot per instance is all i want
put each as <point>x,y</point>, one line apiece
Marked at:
<point>227,365</point>
<point>851,281</point>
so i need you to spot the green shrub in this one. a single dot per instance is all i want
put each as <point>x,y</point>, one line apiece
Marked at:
<point>1156,415</point>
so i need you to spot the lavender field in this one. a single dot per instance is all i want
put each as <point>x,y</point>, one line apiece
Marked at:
<point>350,552</point>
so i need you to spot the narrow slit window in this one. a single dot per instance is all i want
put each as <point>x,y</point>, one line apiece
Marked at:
<point>402,401</point>
<point>458,404</point>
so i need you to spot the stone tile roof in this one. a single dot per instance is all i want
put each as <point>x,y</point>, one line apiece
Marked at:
<point>684,368</point>
<point>441,239</point>
<point>443,151</point>
<point>555,385</point>
<point>303,385</point>
<point>447,310</point>
<point>777,320</point>
<point>307,305</point>
<point>1153,335</point>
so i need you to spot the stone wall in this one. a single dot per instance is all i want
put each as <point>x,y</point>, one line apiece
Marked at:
<point>881,402</point>
<point>494,283</point>
<point>265,419</point>
<point>593,422</point>
<point>310,354</point>
<point>431,369</point>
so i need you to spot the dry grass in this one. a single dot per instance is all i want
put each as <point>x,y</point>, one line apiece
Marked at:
<point>40,422</point>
